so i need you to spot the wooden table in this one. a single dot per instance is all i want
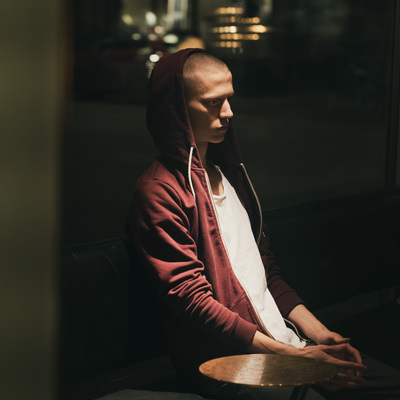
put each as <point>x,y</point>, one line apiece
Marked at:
<point>270,370</point>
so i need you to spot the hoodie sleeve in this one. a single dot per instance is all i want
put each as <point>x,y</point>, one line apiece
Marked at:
<point>161,233</point>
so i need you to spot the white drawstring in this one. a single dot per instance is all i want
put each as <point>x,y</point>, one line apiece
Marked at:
<point>258,203</point>
<point>190,172</point>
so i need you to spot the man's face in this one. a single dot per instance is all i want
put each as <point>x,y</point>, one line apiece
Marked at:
<point>208,105</point>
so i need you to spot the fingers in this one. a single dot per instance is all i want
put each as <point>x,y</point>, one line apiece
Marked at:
<point>344,350</point>
<point>344,379</point>
<point>347,360</point>
<point>351,354</point>
<point>341,340</point>
<point>340,382</point>
<point>356,368</point>
<point>355,354</point>
<point>344,382</point>
<point>341,355</point>
<point>350,378</point>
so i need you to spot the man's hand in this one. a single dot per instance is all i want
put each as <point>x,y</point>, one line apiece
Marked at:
<point>344,357</point>
<point>331,348</point>
<point>321,335</point>
<point>331,338</point>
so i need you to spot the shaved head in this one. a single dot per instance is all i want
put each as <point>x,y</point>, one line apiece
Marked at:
<point>208,88</point>
<point>198,63</point>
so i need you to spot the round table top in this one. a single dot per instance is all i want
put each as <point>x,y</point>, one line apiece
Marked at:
<point>268,370</point>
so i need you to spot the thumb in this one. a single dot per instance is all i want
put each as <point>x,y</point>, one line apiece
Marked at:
<point>336,338</point>
<point>339,339</point>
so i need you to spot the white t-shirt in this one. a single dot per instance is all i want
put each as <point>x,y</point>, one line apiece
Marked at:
<point>235,227</point>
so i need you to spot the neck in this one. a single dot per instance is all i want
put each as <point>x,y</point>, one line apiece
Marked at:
<point>202,148</point>
<point>213,175</point>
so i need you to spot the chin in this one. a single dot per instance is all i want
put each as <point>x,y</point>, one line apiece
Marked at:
<point>221,135</point>
<point>219,139</point>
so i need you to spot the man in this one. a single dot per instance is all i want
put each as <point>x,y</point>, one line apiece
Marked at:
<point>197,224</point>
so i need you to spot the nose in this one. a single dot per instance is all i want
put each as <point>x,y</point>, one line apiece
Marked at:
<point>226,111</point>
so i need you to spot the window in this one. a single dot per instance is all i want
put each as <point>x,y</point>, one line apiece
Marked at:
<point>313,103</point>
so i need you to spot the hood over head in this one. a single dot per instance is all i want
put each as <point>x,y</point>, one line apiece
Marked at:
<point>168,118</point>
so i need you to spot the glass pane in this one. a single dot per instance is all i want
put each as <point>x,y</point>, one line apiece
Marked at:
<point>312,80</point>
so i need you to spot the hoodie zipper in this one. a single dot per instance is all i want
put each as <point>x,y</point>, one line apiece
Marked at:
<point>259,238</point>
<point>259,320</point>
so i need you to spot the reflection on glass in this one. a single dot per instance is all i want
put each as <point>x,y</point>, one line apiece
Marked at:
<point>312,83</point>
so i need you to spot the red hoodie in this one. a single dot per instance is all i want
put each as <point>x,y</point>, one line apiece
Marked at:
<point>174,228</point>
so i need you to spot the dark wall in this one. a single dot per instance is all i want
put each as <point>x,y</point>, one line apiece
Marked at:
<point>330,252</point>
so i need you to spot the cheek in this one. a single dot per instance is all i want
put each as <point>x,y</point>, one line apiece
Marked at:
<point>194,114</point>
<point>199,119</point>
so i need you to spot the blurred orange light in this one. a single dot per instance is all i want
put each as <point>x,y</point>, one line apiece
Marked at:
<point>229,10</point>
<point>258,28</point>
<point>233,45</point>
